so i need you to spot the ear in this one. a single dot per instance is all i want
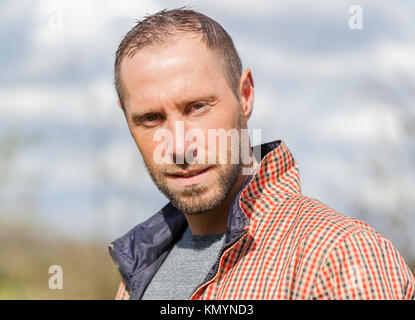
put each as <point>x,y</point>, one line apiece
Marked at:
<point>246,92</point>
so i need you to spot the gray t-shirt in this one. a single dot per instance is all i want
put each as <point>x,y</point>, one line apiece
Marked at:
<point>185,267</point>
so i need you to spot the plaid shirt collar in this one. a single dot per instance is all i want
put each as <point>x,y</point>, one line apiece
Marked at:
<point>140,252</point>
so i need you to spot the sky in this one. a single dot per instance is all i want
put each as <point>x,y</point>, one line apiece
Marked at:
<point>341,99</point>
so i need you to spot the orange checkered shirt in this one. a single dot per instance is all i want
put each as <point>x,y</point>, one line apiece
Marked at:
<point>295,247</point>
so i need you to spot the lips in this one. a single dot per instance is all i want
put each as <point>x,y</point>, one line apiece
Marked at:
<point>187,174</point>
<point>191,177</point>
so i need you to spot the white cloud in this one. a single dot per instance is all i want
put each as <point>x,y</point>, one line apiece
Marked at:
<point>260,8</point>
<point>383,60</point>
<point>91,104</point>
<point>358,124</point>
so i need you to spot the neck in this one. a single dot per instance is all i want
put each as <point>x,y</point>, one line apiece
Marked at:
<point>215,221</point>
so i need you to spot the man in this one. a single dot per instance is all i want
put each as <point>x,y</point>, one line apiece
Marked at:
<point>233,229</point>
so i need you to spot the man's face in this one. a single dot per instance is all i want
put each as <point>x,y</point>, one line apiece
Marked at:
<point>181,85</point>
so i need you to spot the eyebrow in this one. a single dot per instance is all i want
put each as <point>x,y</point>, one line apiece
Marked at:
<point>137,116</point>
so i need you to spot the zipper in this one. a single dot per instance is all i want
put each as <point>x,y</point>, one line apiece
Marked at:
<point>117,263</point>
<point>217,263</point>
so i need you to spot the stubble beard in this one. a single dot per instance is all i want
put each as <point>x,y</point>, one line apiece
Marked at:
<point>200,198</point>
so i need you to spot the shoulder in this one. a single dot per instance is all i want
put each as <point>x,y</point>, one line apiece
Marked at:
<point>312,222</point>
<point>364,265</point>
<point>345,256</point>
<point>355,262</point>
<point>319,218</point>
<point>165,220</point>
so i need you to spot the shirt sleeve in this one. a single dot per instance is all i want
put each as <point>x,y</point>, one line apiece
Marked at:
<point>122,293</point>
<point>364,266</point>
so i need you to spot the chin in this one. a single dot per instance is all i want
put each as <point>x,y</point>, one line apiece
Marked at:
<point>199,203</point>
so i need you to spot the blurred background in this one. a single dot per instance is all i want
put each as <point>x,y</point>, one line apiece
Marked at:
<point>338,90</point>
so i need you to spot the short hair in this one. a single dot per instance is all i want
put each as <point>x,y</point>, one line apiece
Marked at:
<point>157,27</point>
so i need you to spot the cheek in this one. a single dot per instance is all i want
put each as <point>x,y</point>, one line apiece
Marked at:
<point>146,146</point>
<point>147,152</point>
<point>227,118</point>
<point>231,116</point>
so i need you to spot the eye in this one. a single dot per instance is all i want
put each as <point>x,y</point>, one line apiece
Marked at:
<point>150,120</point>
<point>198,107</point>
<point>151,117</point>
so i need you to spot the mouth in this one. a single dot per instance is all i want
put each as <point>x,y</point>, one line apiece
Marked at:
<point>186,174</point>
<point>191,177</point>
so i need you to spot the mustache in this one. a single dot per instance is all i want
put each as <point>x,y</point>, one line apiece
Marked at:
<point>179,168</point>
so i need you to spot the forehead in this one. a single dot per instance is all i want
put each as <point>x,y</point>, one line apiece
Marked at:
<point>179,66</point>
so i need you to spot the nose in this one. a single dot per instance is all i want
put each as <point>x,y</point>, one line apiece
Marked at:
<point>181,151</point>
